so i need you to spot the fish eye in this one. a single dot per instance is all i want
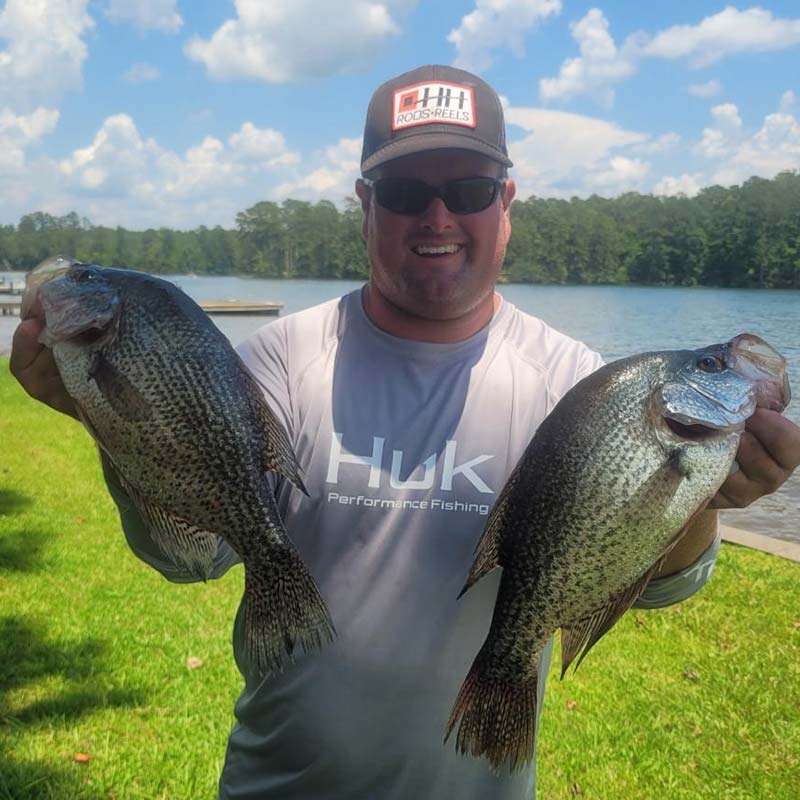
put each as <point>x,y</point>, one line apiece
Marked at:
<point>83,275</point>
<point>710,364</point>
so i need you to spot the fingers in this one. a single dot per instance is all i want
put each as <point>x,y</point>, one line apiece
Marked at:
<point>779,436</point>
<point>769,451</point>
<point>738,491</point>
<point>25,348</point>
<point>32,364</point>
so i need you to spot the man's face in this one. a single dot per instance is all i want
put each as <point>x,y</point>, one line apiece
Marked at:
<point>436,286</point>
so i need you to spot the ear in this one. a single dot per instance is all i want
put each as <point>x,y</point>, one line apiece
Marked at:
<point>508,193</point>
<point>508,196</point>
<point>365,196</point>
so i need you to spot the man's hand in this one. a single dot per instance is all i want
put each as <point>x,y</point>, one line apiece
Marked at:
<point>32,364</point>
<point>769,452</point>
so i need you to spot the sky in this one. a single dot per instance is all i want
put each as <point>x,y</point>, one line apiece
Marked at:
<point>151,113</point>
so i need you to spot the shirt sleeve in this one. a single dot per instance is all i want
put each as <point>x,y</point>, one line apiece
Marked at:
<point>671,589</point>
<point>589,362</point>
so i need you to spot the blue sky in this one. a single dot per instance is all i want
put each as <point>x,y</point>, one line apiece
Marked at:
<point>164,112</point>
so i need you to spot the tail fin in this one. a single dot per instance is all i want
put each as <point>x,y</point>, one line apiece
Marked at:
<point>498,715</point>
<point>283,611</point>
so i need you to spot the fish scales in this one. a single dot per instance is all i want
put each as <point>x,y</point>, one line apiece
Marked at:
<point>190,436</point>
<point>598,498</point>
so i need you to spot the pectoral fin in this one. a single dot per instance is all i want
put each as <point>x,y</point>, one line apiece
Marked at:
<point>488,551</point>
<point>120,393</point>
<point>277,453</point>
<point>578,638</point>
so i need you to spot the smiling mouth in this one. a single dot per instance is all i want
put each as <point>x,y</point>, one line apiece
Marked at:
<point>436,251</point>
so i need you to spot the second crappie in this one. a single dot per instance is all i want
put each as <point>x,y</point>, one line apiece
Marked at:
<point>189,434</point>
<point>603,492</point>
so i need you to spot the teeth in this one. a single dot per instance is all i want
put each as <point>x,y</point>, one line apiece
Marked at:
<point>424,250</point>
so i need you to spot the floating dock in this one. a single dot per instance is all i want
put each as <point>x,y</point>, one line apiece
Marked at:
<point>11,287</point>
<point>10,305</point>
<point>239,307</point>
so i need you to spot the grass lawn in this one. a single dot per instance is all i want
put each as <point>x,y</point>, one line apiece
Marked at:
<point>698,701</point>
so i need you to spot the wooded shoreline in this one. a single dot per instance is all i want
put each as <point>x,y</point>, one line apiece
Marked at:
<point>741,236</point>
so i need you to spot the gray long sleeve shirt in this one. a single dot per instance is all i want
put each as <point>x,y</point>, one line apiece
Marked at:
<point>404,447</point>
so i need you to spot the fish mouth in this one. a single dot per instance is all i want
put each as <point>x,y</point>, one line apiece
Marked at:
<point>689,429</point>
<point>68,323</point>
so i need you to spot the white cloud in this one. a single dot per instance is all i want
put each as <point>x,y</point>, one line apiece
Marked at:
<point>686,184</point>
<point>570,154</point>
<point>19,131</point>
<point>775,147</point>
<point>261,145</point>
<point>113,159</point>
<point>620,175</point>
<point>737,155</point>
<point>141,73</point>
<point>156,15</point>
<point>45,50</point>
<point>788,101</point>
<point>493,24</point>
<point>726,115</point>
<point>287,40</point>
<point>124,178</point>
<point>333,176</point>
<point>600,64</point>
<point>719,141</point>
<point>707,89</point>
<point>729,32</point>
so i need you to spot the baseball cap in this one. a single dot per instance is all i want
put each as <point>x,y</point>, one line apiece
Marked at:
<point>431,108</point>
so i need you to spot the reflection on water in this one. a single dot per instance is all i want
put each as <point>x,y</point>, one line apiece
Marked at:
<point>615,321</point>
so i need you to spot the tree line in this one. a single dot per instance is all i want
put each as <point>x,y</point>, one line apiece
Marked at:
<point>738,236</point>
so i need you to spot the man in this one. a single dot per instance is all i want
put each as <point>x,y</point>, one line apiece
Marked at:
<point>408,404</point>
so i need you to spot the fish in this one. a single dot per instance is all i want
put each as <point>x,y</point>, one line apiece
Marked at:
<point>190,435</point>
<point>607,486</point>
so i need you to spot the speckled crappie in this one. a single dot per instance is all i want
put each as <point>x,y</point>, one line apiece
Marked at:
<point>189,434</point>
<point>604,490</point>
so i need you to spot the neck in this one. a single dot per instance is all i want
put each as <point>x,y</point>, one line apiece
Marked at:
<point>397,322</point>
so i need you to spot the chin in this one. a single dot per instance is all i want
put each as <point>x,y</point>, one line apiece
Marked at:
<point>442,306</point>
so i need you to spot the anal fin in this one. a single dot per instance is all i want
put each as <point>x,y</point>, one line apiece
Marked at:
<point>187,546</point>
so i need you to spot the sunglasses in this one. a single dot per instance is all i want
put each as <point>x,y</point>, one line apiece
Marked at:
<point>412,196</point>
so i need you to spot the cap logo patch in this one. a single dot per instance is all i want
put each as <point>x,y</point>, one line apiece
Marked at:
<point>439,102</point>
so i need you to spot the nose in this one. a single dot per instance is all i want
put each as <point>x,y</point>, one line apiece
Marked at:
<point>436,217</point>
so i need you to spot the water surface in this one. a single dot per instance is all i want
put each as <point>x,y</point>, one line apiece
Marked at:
<point>614,320</point>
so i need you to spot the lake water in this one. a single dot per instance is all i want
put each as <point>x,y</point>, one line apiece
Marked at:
<point>615,321</point>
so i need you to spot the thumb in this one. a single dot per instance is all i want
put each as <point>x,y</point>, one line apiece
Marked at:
<point>25,346</point>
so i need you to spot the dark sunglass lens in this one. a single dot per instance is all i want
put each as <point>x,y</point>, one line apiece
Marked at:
<point>470,195</point>
<point>403,195</point>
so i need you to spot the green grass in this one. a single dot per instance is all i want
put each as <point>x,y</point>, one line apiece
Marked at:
<point>698,701</point>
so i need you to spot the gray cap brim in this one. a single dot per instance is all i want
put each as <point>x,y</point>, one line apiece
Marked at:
<point>433,140</point>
